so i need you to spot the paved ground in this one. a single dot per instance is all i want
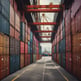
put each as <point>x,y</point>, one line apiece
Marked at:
<point>42,70</point>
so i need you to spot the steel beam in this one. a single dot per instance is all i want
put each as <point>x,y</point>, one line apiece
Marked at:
<point>45,36</point>
<point>43,10</point>
<point>44,6</point>
<point>45,41</point>
<point>43,23</point>
<point>44,31</point>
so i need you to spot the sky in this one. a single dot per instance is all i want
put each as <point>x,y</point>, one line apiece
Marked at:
<point>50,18</point>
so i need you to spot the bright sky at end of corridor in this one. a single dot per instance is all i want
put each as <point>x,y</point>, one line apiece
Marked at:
<point>50,17</point>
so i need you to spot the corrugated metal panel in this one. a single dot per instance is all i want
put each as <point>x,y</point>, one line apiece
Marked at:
<point>12,16</point>
<point>5,8</point>
<point>4,25</point>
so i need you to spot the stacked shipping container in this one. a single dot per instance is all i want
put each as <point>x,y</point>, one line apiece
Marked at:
<point>16,39</point>
<point>67,41</point>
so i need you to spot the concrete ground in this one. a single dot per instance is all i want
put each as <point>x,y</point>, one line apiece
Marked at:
<point>43,70</point>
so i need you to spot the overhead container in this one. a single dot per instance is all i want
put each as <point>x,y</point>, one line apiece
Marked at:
<point>76,25</point>
<point>5,10</point>
<point>75,6</point>
<point>12,16</point>
<point>68,23</point>
<point>4,25</point>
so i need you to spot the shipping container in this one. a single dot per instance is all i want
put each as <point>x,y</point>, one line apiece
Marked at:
<point>22,31</point>
<point>4,25</point>
<point>14,63</point>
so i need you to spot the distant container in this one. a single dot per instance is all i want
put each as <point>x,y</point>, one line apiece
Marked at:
<point>4,25</point>
<point>26,60</point>
<point>26,37</point>
<point>22,31</point>
<point>22,48</point>
<point>26,48</point>
<point>34,57</point>
<point>31,36</point>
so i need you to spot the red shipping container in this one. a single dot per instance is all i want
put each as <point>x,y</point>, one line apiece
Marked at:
<point>22,59</point>
<point>12,31</point>
<point>12,2</point>
<point>1,62</point>
<point>15,6</point>
<point>68,23</point>
<point>17,35</point>
<point>22,47</point>
<point>78,21</point>
<point>12,16</point>
<point>26,48</point>
<point>68,43</point>
<point>58,58</point>
<point>75,6</point>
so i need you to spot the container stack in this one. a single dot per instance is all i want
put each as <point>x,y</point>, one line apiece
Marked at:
<point>34,49</point>
<point>4,55</point>
<point>31,47</point>
<point>67,40</point>
<point>4,37</point>
<point>14,37</point>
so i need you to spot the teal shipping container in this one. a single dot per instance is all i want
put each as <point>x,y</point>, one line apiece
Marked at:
<point>4,25</point>
<point>14,63</point>
<point>5,8</point>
